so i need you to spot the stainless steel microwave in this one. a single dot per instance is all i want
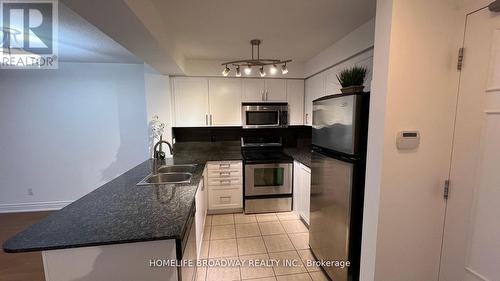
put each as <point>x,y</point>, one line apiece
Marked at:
<point>264,115</point>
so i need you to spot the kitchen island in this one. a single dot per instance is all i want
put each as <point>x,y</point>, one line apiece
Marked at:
<point>115,231</point>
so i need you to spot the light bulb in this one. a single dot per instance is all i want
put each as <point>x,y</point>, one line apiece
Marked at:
<point>262,72</point>
<point>273,69</point>
<point>248,70</point>
<point>284,70</point>
<point>226,70</point>
<point>238,72</point>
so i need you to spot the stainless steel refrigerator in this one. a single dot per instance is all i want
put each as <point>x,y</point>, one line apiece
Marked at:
<point>339,136</point>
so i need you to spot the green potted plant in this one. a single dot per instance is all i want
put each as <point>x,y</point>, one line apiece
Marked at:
<point>352,79</point>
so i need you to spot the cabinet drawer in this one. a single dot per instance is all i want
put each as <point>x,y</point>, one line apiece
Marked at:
<point>226,165</point>
<point>220,174</point>
<point>224,181</point>
<point>225,198</point>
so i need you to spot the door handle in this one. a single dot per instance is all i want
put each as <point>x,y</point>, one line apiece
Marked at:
<point>206,119</point>
<point>210,119</point>
<point>267,95</point>
<point>225,182</point>
<point>307,115</point>
<point>263,98</point>
<point>226,174</point>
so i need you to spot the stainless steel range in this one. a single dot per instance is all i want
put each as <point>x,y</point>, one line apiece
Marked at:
<point>267,175</point>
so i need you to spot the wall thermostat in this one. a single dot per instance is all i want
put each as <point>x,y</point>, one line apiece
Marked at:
<point>407,140</point>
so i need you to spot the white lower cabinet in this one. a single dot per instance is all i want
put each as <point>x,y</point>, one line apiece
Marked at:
<point>201,203</point>
<point>302,190</point>
<point>225,186</point>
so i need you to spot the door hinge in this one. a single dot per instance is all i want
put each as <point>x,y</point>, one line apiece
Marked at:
<point>460,61</point>
<point>446,191</point>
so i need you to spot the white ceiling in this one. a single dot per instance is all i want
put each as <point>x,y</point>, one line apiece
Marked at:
<point>80,41</point>
<point>221,29</point>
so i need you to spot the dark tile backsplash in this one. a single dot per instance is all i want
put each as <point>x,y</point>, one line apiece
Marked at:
<point>293,136</point>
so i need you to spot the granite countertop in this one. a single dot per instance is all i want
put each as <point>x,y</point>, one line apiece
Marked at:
<point>302,155</point>
<point>121,212</point>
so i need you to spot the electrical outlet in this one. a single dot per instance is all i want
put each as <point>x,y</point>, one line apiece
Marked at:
<point>30,191</point>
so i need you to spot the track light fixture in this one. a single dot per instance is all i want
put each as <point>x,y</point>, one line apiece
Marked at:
<point>284,69</point>
<point>249,63</point>
<point>262,72</point>
<point>273,69</point>
<point>248,70</point>
<point>226,70</point>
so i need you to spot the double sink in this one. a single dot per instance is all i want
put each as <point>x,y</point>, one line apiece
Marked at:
<point>170,174</point>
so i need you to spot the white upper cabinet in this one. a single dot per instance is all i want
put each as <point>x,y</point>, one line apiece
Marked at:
<point>225,101</point>
<point>315,88</point>
<point>262,90</point>
<point>253,90</point>
<point>275,90</point>
<point>295,98</point>
<point>190,101</point>
<point>368,63</point>
<point>200,102</point>
<point>332,85</point>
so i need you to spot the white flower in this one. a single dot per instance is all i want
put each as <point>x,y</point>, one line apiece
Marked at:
<point>157,127</point>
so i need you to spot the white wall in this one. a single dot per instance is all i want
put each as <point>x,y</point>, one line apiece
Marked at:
<point>359,40</point>
<point>375,139</point>
<point>66,132</point>
<point>158,102</point>
<point>414,87</point>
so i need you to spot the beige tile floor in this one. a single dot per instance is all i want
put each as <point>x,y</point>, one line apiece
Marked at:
<point>262,236</point>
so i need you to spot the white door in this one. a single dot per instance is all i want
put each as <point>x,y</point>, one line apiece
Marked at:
<point>225,101</point>
<point>253,90</point>
<point>295,98</point>
<point>471,244</point>
<point>275,90</point>
<point>315,88</point>
<point>190,101</point>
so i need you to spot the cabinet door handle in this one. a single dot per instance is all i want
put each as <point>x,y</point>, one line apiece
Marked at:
<point>206,119</point>
<point>307,115</point>
<point>226,182</point>
<point>226,166</point>
<point>202,183</point>
<point>263,96</point>
<point>267,95</point>
<point>210,119</point>
<point>225,174</point>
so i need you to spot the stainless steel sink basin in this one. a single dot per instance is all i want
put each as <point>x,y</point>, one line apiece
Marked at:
<point>166,178</point>
<point>177,169</point>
